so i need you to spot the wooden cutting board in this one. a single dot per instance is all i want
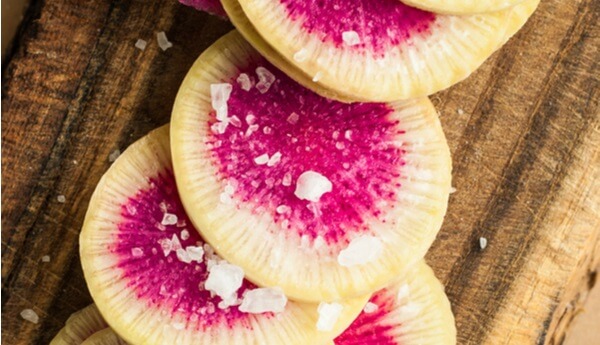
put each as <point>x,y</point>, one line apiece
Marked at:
<point>524,131</point>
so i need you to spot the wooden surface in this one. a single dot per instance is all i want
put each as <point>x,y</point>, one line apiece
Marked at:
<point>525,150</point>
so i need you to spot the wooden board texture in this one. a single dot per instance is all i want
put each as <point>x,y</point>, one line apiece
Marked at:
<point>525,147</point>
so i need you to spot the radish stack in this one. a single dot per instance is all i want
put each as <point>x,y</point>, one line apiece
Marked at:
<point>302,180</point>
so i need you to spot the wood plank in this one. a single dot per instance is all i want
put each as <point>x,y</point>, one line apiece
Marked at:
<point>525,154</point>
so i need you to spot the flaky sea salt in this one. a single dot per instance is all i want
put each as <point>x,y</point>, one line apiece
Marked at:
<point>317,76</point>
<point>460,112</point>
<point>287,179</point>
<point>183,256</point>
<point>163,41</point>
<point>61,198</point>
<point>275,158</point>
<point>262,159</point>
<point>251,129</point>
<point>311,186</point>
<point>282,209</point>
<point>169,219</point>
<point>30,315</point>
<point>265,79</point>
<point>137,252</point>
<point>46,258</point>
<point>329,313</point>
<point>301,55</point>
<point>263,300</point>
<point>370,307</point>
<point>224,279</point>
<point>184,234</point>
<point>452,190</point>
<point>235,121</point>
<point>195,253</point>
<point>350,38</point>
<point>361,250</point>
<point>141,44</point>
<point>244,82</point>
<point>114,155</point>
<point>293,118</point>
<point>267,130</point>
<point>348,135</point>
<point>219,95</point>
<point>483,243</point>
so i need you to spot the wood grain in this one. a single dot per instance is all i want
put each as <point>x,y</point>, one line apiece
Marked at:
<point>525,151</point>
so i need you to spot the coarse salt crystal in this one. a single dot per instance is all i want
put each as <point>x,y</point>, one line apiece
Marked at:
<point>195,253</point>
<point>301,55</point>
<point>317,76</point>
<point>175,244</point>
<point>140,44</point>
<point>265,79</point>
<point>251,129</point>
<point>30,315</point>
<point>287,179</point>
<point>263,300</point>
<point>61,198</point>
<point>165,245</point>
<point>483,243</point>
<point>250,119</point>
<point>329,313</point>
<point>46,258</point>
<point>169,219</point>
<point>219,127</point>
<point>361,250</point>
<point>275,158</point>
<point>184,234</point>
<point>137,252</point>
<point>370,307</point>
<point>293,118</point>
<point>267,130</point>
<point>262,159</point>
<point>183,256</point>
<point>224,279</point>
<point>281,209</point>
<point>244,82</point>
<point>452,190</point>
<point>219,95</point>
<point>234,120</point>
<point>311,186</point>
<point>460,112</point>
<point>350,38</point>
<point>348,134</point>
<point>114,155</point>
<point>163,41</point>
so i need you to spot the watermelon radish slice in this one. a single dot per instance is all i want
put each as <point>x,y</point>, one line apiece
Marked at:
<point>518,17</point>
<point>412,311</point>
<point>324,199</point>
<point>378,50</point>
<point>156,281</point>
<point>210,6</point>
<point>462,6</point>
<point>80,326</point>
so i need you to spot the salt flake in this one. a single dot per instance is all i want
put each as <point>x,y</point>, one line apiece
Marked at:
<point>30,315</point>
<point>262,159</point>
<point>301,55</point>
<point>275,158</point>
<point>224,279</point>
<point>141,44</point>
<point>137,252</point>
<point>219,95</point>
<point>61,198</point>
<point>46,258</point>
<point>169,219</point>
<point>265,79</point>
<point>329,313</point>
<point>293,118</point>
<point>350,38</point>
<point>114,155</point>
<point>370,307</point>
<point>263,300</point>
<point>361,250</point>
<point>483,243</point>
<point>311,186</point>
<point>163,41</point>
<point>244,82</point>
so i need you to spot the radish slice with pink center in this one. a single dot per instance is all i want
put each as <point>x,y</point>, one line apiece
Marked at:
<point>156,281</point>
<point>345,174</point>
<point>379,50</point>
<point>412,311</point>
<point>210,6</point>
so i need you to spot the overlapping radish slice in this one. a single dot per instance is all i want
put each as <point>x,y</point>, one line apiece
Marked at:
<point>104,337</point>
<point>210,6</point>
<point>412,311</point>
<point>378,50</point>
<point>518,17</point>
<point>461,7</point>
<point>326,200</point>
<point>80,326</point>
<point>156,281</point>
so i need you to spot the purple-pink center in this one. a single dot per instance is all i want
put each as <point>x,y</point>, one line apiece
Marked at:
<point>378,23</point>
<point>164,281</point>
<point>371,328</point>
<point>353,145</point>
